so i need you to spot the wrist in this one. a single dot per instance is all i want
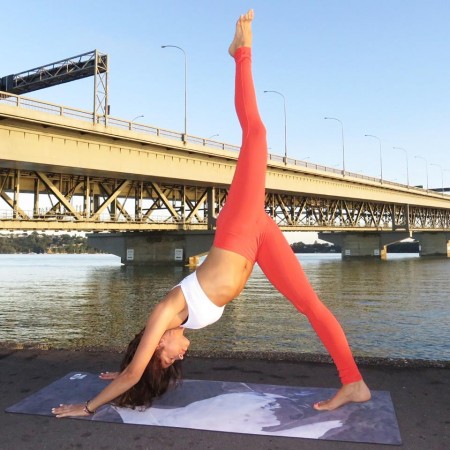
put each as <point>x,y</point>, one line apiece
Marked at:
<point>87,409</point>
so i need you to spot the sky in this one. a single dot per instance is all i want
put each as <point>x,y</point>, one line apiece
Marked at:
<point>382,67</point>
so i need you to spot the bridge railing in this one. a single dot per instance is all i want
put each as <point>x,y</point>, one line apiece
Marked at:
<point>45,107</point>
<point>74,113</point>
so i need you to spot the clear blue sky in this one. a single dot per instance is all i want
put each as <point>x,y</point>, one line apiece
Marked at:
<point>381,66</point>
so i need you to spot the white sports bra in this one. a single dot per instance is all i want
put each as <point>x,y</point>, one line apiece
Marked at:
<point>202,311</point>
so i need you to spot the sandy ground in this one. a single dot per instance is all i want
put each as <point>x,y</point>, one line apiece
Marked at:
<point>420,392</point>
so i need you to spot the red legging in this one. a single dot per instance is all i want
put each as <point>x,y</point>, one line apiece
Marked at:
<point>244,227</point>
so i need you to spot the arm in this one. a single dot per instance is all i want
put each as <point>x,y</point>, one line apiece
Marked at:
<point>159,321</point>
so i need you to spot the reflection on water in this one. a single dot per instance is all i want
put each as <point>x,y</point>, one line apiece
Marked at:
<point>395,308</point>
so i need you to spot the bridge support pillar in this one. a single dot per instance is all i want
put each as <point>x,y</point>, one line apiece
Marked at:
<point>435,243</point>
<point>153,247</point>
<point>364,244</point>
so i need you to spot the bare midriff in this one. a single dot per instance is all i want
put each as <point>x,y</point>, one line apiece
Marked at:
<point>223,275</point>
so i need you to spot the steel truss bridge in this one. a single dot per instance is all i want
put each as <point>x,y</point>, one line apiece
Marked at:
<point>86,203</point>
<point>62,169</point>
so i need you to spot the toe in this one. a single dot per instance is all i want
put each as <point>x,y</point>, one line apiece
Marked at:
<point>321,405</point>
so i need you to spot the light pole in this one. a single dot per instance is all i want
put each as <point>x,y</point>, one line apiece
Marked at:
<point>285,123</point>
<point>185,87</point>
<point>343,148</point>
<point>214,135</point>
<point>442,175</point>
<point>381,157</point>
<point>137,117</point>
<point>426,165</point>
<point>407,169</point>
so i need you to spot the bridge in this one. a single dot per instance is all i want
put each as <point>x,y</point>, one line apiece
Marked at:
<point>158,192</point>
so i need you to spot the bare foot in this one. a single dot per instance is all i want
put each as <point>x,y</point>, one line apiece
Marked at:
<point>354,392</point>
<point>243,34</point>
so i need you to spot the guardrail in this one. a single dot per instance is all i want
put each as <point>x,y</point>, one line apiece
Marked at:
<point>73,113</point>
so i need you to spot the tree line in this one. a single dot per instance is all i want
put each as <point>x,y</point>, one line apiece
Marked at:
<point>44,243</point>
<point>397,247</point>
<point>66,243</point>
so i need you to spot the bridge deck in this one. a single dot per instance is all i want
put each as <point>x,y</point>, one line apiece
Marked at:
<point>69,153</point>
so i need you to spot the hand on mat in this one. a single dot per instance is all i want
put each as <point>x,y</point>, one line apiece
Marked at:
<point>109,375</point>
<point>70,411</point>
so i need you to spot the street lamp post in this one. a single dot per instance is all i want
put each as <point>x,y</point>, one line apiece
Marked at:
<point>442,175</point>
<point>214,135</point>
<point>446,170</point>
<point>137,117</point>
<point>185,87</point>
<point>381,157</point>
<point>426,166</point>
<point>285,123</point>
<point>407,169</point>
<point>343,147</point>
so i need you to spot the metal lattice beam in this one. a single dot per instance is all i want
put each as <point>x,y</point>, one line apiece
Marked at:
<point>63,71</point>
<point>90,203</point>
<point>74,68</point>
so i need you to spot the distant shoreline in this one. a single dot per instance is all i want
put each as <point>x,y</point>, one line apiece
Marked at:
<point>35,243</point>
<point>397,247</point>
<point>111,254</point>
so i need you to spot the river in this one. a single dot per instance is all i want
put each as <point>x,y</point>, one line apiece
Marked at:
<point>398,308</point>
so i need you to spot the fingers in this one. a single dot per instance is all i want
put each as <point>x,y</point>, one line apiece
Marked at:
<point>61,410</point>
<point>108,375</point>
<point>69,411</point>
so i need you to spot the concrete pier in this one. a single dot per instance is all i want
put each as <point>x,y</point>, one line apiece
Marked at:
<point>154,247</point>
<point>364,244</point>
<point>433,243</point>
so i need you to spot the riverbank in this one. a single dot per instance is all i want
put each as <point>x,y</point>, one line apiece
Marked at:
<point>255,355</point>
<point>420,396</point>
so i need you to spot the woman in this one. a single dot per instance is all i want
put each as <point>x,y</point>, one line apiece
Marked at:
<point>245,235</point>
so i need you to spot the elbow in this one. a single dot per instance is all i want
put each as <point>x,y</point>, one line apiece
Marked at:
<point>130,377</point>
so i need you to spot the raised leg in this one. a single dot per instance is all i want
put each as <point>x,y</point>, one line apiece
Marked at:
<point>247,191</point>
<point>244,206</point>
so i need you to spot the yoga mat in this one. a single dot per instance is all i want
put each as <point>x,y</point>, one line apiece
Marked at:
<point>233,407</point>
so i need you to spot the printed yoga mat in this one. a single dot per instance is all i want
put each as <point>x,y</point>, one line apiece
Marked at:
<point>233,407</point>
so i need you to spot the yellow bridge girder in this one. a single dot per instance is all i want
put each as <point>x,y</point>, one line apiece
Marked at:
<point>60,169</point>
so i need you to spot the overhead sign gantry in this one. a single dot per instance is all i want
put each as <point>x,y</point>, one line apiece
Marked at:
<point>74,68</point>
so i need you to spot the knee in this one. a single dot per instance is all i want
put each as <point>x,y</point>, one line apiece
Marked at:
<point>259,130</point>
<point>309,306</point>
<point>256,130</point>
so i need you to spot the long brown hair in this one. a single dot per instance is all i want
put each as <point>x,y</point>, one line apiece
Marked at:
<point>153,383</point>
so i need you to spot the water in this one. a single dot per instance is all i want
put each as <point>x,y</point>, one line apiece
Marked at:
<point>397,308</point>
